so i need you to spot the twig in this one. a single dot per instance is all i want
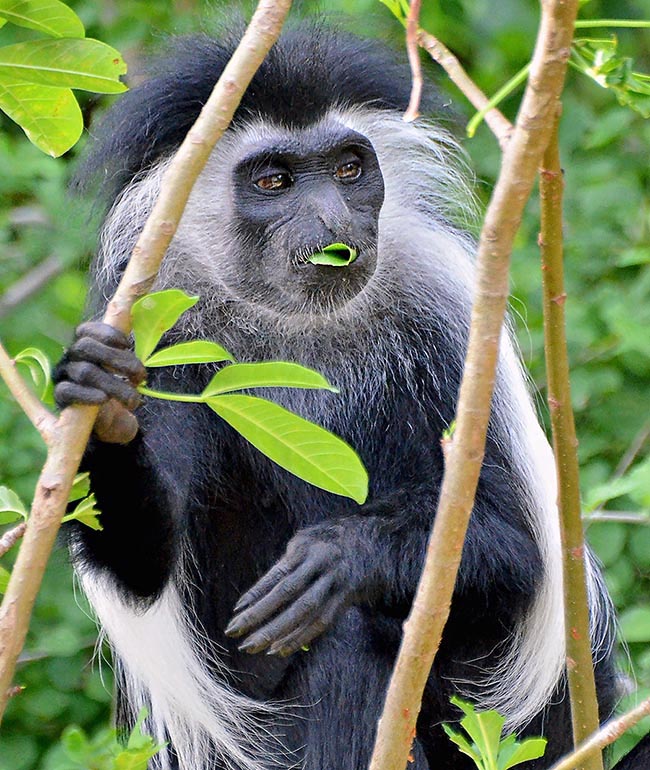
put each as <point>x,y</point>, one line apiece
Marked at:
<point>11,537</point>
<point>74,425</point>
<point>632,451</point>
<point>580,669</point>
<point>604,737</point>
<point>43,420</point>
<point>423,629</point>
<point>498,123</point>
<point>29,284</point>
<point>621,517</point>
<point>412,22</point>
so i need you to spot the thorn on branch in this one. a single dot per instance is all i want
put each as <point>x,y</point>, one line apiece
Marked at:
<point>560,299</point>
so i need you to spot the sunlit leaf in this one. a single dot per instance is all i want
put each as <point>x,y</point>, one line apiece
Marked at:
<point>196,352</point>
<point>530,748</point>
<point>267,374</point>
<point>85,64</point>
<point>49,116</point>
<point>86,512</point>
<point>12,507</point>
<point>464,745</point>
<point>50,17</point>
<point>39,367</point>
<point>155,314</point>
<point>304,449</point>
<point>80,487</point>
<point>334,255</point>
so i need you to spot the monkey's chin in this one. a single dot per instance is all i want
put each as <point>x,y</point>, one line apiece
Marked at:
<point>323,289</point>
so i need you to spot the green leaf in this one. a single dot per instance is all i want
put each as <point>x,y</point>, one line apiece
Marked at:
<point>49,116</point>
<point>85,64</point>
<point>80,487</point>
<point>531,748</point>
<point>39,367</point>
<point>268,374</point>
<point>334,255</point>
<point>12,507</point>
<point>484,728</point>
<point>50,17</point>
<point>155,314</point>
<point>87,513</point>
<point>196,352</point>
<point>399,9</point>
<point>465,746</point>
<point>304,449</point>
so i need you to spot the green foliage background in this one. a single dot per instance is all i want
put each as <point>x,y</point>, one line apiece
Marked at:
<point>605,150</point>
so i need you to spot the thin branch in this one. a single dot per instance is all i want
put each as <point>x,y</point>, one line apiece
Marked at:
<point>632,451</point>
<point>580,669</point>
<point>609,733</point>
<point>42,419</point>
<point>75,424</point>
<point>11,537</point>
<point>412,22</point>
<point>620,517</point>
<point>498,123</point>
<point>30,284</point>
<point>423,629</point>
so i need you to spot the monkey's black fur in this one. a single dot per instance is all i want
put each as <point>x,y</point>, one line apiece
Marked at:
<point>190,510</point>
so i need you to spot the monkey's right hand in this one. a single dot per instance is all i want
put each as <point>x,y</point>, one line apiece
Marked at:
<point>100,368</point>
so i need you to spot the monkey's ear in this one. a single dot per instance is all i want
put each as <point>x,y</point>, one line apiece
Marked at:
<point>115,424</point>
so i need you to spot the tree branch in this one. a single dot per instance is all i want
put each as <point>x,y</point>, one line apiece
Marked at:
<point>75,424</point>
<point>29,284</point>
<point>580,669</point>
<point>423,629</point>
<point>498,123</point>
<point>609,733</point>
<point>413,110</point>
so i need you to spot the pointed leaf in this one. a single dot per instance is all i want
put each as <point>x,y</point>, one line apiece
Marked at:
<point>196,352</point>
<point>12,507</point>
<point>155,314</point>
<point>268,374</point>
<point>86,513</point>
<point>50,17</point>
<point>49,116</point>
<point>464,746</point>
<point>531,748</point>
<point>80,487</point>
<point>39,367</point>
<point>85,64</point>
<point>4,580</point>
<point>304,449</point>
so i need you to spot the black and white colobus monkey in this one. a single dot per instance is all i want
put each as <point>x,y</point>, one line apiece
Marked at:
<point>194,517</point>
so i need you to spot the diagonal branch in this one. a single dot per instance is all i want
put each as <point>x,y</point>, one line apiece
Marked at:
<point>75,424</point>
<point>413,110</point>
<point>523,153</point>
<point>498,123</point>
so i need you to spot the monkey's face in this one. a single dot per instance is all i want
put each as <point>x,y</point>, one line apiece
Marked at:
<point>292,196</point>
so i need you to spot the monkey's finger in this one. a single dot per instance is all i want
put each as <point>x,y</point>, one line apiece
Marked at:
<point>67,393</point>
<point>103,333</point>
<point>293,617</point>
<point>284,567</point>
<point>303,635</point>
<point>122,362</point>
<point>281,594</point>
<point>115,424</point>
<point>91,376</point>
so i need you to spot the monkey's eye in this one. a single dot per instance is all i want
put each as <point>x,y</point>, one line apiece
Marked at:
<point>349,171</point>
<point>273,182</point>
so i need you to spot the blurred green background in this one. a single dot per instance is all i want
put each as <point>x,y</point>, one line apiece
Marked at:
<point>606,151</point>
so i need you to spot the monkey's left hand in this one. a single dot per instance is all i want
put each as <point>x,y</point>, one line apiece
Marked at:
<point>300,596</point>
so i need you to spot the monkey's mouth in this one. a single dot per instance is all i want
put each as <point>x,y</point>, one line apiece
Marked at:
<point>334,255</point>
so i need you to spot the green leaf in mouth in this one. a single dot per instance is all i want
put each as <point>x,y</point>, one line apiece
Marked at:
<point>334,255</point>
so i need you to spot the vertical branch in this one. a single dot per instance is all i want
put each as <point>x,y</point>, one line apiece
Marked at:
<point>72,430</point>
<point>424,627</point>
<point>412,48</point>
<point>580,670</point>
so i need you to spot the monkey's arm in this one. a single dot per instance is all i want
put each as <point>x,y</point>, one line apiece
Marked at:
<point>376,559</point>
<point>139,501</point>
